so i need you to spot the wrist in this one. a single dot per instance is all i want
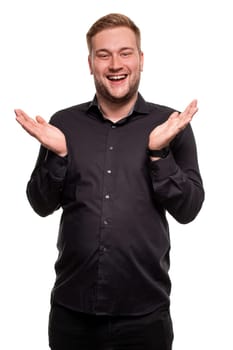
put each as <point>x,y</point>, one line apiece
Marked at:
<point>158,153</point>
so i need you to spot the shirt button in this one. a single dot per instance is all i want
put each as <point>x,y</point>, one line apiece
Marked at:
<point>105,222</point>
<point>107,196</point>
<point>110,148</point>
<point>103,249</point>
<point>113,126</point>
<point>109,171</point>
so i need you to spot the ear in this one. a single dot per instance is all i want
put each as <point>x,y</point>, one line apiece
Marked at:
<point>141,61</point>
<point>90,64</point>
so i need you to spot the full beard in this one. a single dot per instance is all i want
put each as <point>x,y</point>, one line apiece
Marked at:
<point>105,93</point>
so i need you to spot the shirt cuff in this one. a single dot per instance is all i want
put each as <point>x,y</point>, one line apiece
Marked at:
<point>56,165</point>
<point>163,168</point>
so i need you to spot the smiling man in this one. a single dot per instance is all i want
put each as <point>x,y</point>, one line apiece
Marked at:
<point>116,65</point>
<point>114,165</point>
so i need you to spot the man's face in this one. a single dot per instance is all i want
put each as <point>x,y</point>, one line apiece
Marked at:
<point>116,63</point>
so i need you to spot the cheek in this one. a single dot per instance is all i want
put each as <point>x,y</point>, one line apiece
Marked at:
<point>97,69</point>
<point>136,66</point>
<point>136,70</point>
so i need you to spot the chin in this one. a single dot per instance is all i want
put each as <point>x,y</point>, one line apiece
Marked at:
<point>121,95</point>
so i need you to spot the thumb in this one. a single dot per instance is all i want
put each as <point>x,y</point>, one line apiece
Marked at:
<point>174,115</point>
<point>40,120</point>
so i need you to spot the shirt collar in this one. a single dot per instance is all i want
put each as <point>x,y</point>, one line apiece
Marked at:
<point>140,107</point>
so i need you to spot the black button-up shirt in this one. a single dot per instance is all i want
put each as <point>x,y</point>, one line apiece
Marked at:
<point>113,239</point>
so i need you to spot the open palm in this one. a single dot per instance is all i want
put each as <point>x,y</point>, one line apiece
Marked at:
<point>48,135</point>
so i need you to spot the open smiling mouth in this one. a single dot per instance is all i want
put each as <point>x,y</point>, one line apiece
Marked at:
<point>117,77</point>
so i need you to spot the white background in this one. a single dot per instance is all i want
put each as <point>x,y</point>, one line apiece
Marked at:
<point>43,68</point>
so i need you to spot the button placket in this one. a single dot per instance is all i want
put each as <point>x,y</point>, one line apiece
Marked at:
<point>107,211</point>
<point>108,180</point>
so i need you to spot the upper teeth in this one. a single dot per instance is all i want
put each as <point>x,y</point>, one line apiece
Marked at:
<point>117,77</point>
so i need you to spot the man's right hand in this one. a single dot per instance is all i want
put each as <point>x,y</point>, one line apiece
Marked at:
<point>48,135</point>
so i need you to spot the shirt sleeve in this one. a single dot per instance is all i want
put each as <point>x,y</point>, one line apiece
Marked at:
<point>176,179</point>
<point>46,182</point>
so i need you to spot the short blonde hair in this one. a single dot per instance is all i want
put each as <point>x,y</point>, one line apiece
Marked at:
<point>112,20</point>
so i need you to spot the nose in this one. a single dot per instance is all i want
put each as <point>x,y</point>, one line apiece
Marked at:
<point>115,63</point>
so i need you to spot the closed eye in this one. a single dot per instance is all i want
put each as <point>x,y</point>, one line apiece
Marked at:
<point>126,53</point>
<point>102,54</point>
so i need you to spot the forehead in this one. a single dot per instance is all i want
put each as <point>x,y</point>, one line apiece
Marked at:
<point>114,39</point>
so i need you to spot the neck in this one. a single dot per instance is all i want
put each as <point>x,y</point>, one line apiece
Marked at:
<point>116,111</point>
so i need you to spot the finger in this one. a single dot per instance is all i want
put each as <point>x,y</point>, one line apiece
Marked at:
<point>27,123</point>
<point>21,114</point>
<point>24,120</point>
<point>187,115</point>
<point>191,109</point>
<point>193,103</point>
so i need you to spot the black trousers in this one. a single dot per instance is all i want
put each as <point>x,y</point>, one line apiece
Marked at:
<point>71,330</point>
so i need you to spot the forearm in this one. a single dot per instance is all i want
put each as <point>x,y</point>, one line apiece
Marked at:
<point>176,180</point>
<point>46,183</point>
<point>180,193</point>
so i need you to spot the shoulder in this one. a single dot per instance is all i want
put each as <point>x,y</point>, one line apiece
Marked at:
<point>159,109</point>
<point>76,109</point>
<point>66,116</point>
<point>158,112</point>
